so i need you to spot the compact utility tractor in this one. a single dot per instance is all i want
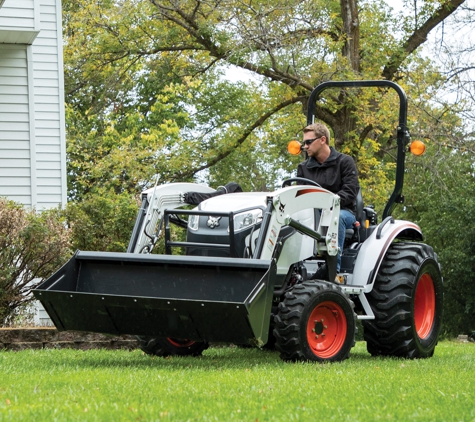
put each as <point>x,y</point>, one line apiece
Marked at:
<point>248,275</point>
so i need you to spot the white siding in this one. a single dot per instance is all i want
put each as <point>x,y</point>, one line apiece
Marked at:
<point>49,109</point>
<point>19,21</point>
<point>15,164</point>
<point>18,14</point>
<point>32,122</point>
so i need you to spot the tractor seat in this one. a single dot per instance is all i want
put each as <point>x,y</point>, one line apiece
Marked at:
<point>360,223</point>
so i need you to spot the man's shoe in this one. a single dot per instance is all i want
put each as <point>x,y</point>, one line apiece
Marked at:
<point>340,279</point>
<point>321,273</point>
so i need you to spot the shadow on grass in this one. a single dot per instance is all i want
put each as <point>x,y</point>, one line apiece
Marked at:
<point>212,359</point>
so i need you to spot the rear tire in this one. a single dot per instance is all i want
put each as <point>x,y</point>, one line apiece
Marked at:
<point>315,322</point>
<point>407,301</point>
<point>163,346</point>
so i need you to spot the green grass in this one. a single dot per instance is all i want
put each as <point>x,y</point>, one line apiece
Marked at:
<point>229,383</point>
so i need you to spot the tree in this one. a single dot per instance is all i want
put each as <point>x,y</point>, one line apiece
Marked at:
<point>137,49</point>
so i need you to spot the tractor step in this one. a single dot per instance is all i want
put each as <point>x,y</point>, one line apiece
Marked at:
<point>182,297</point>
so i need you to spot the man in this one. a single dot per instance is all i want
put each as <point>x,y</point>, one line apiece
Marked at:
<point>333,171</point>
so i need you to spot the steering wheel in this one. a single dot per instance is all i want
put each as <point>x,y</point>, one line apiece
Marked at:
<point>303,181</point>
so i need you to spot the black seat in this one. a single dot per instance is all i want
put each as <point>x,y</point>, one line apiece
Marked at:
<point>358,231</point>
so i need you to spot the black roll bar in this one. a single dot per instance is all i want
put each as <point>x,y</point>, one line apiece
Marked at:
<point>403,135</point>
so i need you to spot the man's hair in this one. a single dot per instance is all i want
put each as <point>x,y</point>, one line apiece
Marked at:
<point>320,130</point>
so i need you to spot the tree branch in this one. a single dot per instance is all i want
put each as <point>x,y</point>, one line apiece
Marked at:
<point>259,122</point>
<point>419,36</point>
<point>192,27</point>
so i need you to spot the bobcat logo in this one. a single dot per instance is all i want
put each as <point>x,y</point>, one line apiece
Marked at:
<point>213,222</point>
<point>281,207</point>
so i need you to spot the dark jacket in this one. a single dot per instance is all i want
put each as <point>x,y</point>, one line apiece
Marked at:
<point>337,174</point>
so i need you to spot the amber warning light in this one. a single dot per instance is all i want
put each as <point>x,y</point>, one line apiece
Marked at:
<point>294,147</point>
<point>417,148</point>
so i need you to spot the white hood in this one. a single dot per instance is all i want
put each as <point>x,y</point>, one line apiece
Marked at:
<point>235,201</point>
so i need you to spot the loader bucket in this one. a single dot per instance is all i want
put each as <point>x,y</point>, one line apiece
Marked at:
<point>181,297</point>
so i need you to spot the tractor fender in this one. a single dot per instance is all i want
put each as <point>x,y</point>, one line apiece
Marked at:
<point>374,249</point>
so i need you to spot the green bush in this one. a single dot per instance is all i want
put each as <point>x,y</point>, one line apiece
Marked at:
<point>441,199</point>
<point>102,222</point>
<point>32,246</point>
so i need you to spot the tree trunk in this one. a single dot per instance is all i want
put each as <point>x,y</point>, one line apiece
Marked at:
<point>344,123</point>
<point>351,32</point>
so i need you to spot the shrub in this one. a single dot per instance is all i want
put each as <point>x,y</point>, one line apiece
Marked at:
<point>440,197</point>
<point>102,222</point>
<point>32,246</point>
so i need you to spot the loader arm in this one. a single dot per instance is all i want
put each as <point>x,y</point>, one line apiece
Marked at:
<point>150,217</point>
<point>288,201</point>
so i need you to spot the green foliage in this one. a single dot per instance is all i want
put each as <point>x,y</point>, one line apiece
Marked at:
<point>231,384</point>
<point>102,222</point>
<point>128,153</point>
<point>132,67</point>
<point>440,196</point>
<point>32,246</point>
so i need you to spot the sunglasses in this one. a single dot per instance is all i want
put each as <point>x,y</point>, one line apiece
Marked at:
<point>309,141</point>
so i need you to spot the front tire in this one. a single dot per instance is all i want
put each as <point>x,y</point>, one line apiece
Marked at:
<point>315,322</point>
<point>164,346</point>
<point>407,301</point>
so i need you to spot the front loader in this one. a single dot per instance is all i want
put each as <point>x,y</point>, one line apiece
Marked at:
<point>249,272</point>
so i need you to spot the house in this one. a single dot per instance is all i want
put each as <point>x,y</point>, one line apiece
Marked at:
<point>32,121</point>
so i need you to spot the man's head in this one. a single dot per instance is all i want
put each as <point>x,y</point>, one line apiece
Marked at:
<point>316,139</point>
<point>319,130</point>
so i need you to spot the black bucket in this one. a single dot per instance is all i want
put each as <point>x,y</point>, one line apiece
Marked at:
<point>181,297</point>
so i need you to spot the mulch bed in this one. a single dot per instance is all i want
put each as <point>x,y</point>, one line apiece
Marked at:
<point>51,338</point>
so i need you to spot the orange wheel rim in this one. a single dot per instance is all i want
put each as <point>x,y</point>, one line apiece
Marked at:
<point>326,329</point>
<point>424,306</point>
<point>181,343</point>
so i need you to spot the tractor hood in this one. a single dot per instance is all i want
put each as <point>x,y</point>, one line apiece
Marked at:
<point>235,202</point>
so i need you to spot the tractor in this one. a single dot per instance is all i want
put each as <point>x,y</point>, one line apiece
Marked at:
<point>248,272</point>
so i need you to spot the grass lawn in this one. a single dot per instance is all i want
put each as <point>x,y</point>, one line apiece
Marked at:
<point>229,383</point>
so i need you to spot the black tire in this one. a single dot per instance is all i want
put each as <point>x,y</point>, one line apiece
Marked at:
<point>270,345</point>
<point>162,346</point>
<point>315,322</point>
<point>407,301</point>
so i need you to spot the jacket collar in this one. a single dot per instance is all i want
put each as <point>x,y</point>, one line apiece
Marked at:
<point>330,161</point>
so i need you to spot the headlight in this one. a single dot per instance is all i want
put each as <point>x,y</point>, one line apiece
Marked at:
<point>246,219</point>
<point>193,222</point>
